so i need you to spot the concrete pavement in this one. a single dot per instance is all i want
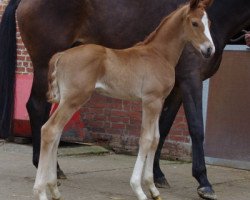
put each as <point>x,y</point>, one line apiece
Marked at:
<point>105,176</point>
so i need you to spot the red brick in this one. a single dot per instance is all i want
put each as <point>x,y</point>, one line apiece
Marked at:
<point>29,70</point>
<point>116,106</point>
<point>119,113</point>
<point>120,119</point>
<point>96,110</point>
<point>99,105</point>
<point>177,138</point>
<point>100,117</point>
<point>135,115</point>
<point>134,132</point>
<point>114,131</point>
<point>115,101</point>
<point>133,127</point>
<point>93,123</point>
<point>180,126</point>
<point>27,58</point>
<point>89,116</point>
<point>118,126</point>
<point>136,107</point>
<point>20,70</point>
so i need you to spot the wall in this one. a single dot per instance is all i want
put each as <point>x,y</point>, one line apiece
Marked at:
<point>113,122</point>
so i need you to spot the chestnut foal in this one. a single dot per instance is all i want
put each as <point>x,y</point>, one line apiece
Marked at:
<point>144,72</point>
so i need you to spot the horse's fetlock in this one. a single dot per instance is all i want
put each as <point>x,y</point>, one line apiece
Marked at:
<point>40,193</point>
<point>148,180</point>
<point>134,183</point>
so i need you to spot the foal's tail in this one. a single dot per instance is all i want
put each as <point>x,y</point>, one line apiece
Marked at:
<point>7,67</point>
<point>53,94</point>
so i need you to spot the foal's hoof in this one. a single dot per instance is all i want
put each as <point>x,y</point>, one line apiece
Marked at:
<point>161,182</point>
<point>157,198</point>
<point>60,174</point>
<point>207,193</point>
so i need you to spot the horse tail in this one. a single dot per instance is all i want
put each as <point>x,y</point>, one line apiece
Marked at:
<point>8,54</point>
<point>53,94</point>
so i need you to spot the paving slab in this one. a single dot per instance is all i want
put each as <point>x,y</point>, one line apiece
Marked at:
<point>105,176</point>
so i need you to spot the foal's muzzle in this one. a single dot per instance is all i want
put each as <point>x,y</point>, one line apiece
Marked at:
<point>207,53</point>
<point>207,49</point>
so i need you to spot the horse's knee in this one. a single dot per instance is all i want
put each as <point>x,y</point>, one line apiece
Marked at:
<point>155,141</point>
<point>146,143</point>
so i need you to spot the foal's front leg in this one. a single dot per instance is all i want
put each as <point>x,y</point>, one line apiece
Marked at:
<point>148,174</point>
<point>147,146</point>
<point>168,114</point>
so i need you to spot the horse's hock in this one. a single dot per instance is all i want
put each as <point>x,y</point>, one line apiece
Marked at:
<point>110,122</point>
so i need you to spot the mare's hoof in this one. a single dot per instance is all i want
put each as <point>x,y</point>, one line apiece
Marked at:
<point>61,175</point>
<point>58,199</point>
<point>207,193</point>
<point>161,182</point>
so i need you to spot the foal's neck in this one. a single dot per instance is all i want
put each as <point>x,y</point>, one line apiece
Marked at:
<point>169,39</point>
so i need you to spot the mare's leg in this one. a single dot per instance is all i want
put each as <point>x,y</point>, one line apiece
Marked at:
<point>38,109</point>
<point>43,37</point>
<point>168,114</point>
<point>150,114</point>
<point>192,101</point>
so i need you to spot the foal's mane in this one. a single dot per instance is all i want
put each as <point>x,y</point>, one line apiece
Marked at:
<point>152,35</point>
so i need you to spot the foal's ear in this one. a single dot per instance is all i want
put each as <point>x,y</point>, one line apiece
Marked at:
<point>194,4</point>
<point>207,3</point>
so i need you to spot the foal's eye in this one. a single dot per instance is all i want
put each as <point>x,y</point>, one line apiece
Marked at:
<point>195,24</point>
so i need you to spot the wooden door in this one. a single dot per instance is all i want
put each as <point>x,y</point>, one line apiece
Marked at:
<point>227,139</point>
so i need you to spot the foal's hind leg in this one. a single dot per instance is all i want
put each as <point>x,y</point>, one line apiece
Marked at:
<point>51,133</point>
<point>39,109</point>
<point>151,111</point>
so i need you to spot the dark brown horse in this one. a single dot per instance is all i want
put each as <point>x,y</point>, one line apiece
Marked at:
<point>49,26</point>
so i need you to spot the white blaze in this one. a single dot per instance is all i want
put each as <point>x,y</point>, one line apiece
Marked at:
<point>207,32</point>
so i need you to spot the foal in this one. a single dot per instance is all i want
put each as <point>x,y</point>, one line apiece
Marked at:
<point>144,72</point>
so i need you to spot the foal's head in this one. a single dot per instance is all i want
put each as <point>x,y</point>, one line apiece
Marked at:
<point>196,25</point>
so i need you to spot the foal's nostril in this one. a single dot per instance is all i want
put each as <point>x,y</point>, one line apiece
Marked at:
<point>209,51</point>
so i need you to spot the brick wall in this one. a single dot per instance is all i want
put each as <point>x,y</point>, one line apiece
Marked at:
<point>116,123</point>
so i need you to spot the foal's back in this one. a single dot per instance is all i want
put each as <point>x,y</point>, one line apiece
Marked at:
<point>124,74</point>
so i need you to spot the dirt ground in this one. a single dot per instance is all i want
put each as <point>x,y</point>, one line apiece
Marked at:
<point>106,177</point>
